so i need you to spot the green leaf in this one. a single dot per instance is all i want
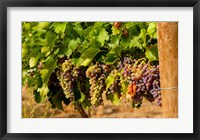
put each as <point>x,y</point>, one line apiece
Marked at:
<point>56,51</point>
<point>45,75</point>
<point>103,36</point>
<point>66,40</point>
<point>135,43</point>
<point>142,36</point>
<point>35,81</point>
<point>86,32</point>
<point>152,53</point>
<point>114,53</point>
<point>124,42</point>
<point>43,91</point>
<point>33,62</point>
<point>78,28</point>
<point>88,55</point>
<point>124,87</point>
<point>24,51</point>
<point>134,31</point>
<point>45,49</point>
<point>68,52</point>
<point>73,44</point>
<point>111,58</point>
<point>57,101</point>
<point>109,80</point>
<point>152,28</point>
<point>26,26</point>
<point>115,31</point>
<point>37,96</point>
<point>60,27</point>
<point>114,98</point>
<point>86,104</point>
<point>43,24</point>
<point>50,63</point>
<point>85,44</point>
<point>51,38</point>
<point>115,40</point>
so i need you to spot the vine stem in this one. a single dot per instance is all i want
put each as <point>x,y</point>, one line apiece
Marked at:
<point>82,112</point>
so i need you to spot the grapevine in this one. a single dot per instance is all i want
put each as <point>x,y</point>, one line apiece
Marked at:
<point>77,62</point>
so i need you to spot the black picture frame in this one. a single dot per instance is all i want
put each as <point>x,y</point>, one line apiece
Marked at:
<point>99,3</point>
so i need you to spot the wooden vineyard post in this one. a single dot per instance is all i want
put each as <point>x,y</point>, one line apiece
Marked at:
<point>168,65</point>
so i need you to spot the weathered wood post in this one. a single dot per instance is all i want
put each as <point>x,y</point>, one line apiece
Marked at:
<point>168,62</point>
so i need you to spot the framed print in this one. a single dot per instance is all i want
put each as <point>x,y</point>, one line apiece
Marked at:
<point>99,69</point>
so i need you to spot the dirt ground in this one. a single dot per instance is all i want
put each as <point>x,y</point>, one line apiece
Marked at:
<point>30,109</point>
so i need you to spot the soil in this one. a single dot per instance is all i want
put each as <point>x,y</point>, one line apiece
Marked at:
<point>30,109</point>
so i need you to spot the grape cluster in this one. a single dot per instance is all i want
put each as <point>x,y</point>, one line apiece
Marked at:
<point>68,76</point>
<point>97,74</point>
<point>145,77</point>
<point>56,90</point>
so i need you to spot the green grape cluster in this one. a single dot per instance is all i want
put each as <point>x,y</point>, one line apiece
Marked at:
<point>97,74</point>
<point>68,76</point>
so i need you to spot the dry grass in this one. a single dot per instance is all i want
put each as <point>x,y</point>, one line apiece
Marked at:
<point>30,109</point>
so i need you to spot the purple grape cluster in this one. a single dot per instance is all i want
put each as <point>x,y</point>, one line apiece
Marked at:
<point>68,76</point>
<point>145,77</point>
<point>97,74</point>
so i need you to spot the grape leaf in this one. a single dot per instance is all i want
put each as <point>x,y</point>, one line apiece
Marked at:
<point>73,44</point>
<point>88,55</point>
<point>51,38</point>
<point>81,48</point>
<point>33,61</point>
<point>115,40</point>
<point>78,28</point>
<point>43,24</point>
<point>152,53</point>
<point>135,42</point>
<point>60,27</point>
<point>151,29</point>
<point>103,36</point>
<point>47,71</point>
<point>133,31</point>
<point>43,91</point>
<point>37,96</point>
<point>114,53</point>
<point>57,101</point>
<point>109,80</point>
<point>114,98</point>
<point>50,63</point>
<point>115,31</point>
<point>35,81</point>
